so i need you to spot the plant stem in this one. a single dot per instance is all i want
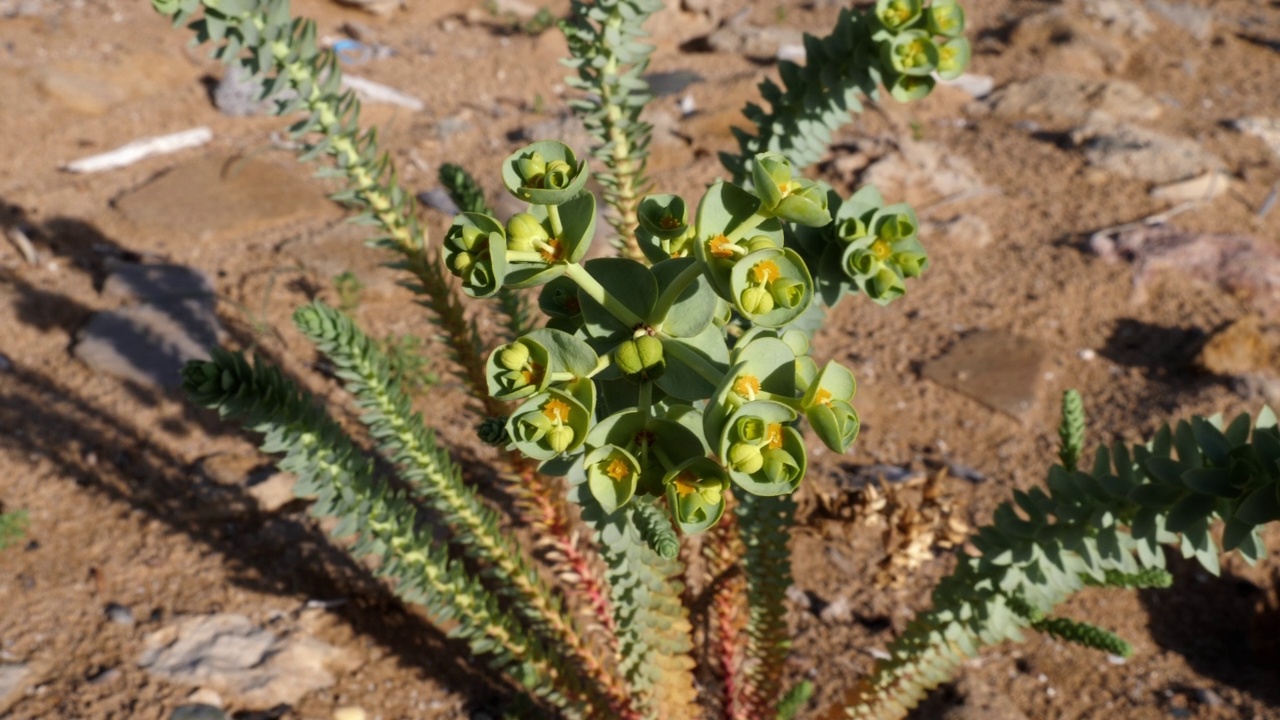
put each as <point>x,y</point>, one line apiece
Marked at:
<point>747,226</point>
<point>596,291</point>
<point>668,298</point>
<point>695,361</point>
<point>553,214</point>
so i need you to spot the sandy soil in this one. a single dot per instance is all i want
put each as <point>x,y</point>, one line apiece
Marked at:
<point>117,477</point>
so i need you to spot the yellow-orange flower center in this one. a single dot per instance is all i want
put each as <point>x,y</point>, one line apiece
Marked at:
<point>618,469</point>
<point>685,484</point>
<point>747,386</point>
<point>774,436</point>
<point>719,246</point>
<point>557,411</point>
<point>823,397</point>
<point>669,222</point>
<point>881,249</point>
<point>765,271</point>
<point>553,253</point>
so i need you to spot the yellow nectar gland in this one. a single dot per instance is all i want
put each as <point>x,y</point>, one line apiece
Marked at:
<point>532,373</point>
<point>748,386</point>
<point>669,222</point>
<point>765,271</point>
<point>774,436</point>
<point>557,411</point>
<point>720,246</point>
<point>551,252</point>
<point>823,397</point>
<point>618,469</point>
<point>686,484</point>
<point>900,12</point>
<point>881,249</point>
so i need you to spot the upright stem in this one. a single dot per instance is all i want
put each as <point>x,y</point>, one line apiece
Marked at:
<point>747,226</point>
<point>596,291</point>
<point>673,292</point>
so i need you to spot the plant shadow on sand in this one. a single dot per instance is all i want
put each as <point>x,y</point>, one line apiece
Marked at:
<point>111,455</point>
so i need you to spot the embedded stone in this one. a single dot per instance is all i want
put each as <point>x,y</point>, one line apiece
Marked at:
<point>1002,371</point>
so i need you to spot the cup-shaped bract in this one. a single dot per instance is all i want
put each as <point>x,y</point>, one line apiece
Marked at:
<point>475,250</point>
<point>546,172</point>
<point>654,442</point>
<point>763,454</point>
<point>805,203</point>
<point>549,425</point>
<point>913,53</point>
<point>612,476</point>
<point>517,370</point>
<point>907,88</point>
<point>827,406</point>
<point>945,18</point>
<point>771,177</point>
<point>664,231</point>
<point>559,299</point>
<point>953,58</point>
<point>695,494</point>
<point>898,15</point>
<point>577,226</point>
<point>771,287</point>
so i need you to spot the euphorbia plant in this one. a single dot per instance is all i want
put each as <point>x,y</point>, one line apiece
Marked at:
<point>672,383</point>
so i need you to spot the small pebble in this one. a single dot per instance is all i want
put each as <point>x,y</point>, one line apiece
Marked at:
<point>350,712</point>
<point>103,675</point>
<point>439,199</point>
<point>119,614</point>
<point>1087,355</point>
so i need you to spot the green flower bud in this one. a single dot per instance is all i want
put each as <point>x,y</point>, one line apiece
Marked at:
<point>640,359</point>
<point>751,429</point>
<point>914,53</point>
<point>559,175</point>
<point>771,174</point>
<point>756,301</point>
<point>953,58</point>
<point>522,230</point>
<point>559,438</point>
<point>460,263</point>
<point>532,167</point>
<point>666,216</point>
<point>851,229</point>
<point>760,242</point>
<point>885,285</point>
<point>513,357</point>
<point>465,237</point>
<point>780,467</point>
<point>905,88</point>
<point>897,15</point>
<point>786,292</point>
<point>805,203</point>
<point>746,458</point>
<point>912,264</point>
<point>945,17</point>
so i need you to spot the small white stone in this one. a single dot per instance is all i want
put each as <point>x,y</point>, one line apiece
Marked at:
<point>351,712</point>
<point>1088,355</point>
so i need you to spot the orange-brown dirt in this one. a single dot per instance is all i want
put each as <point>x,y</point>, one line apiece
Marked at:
<point>115,475</point>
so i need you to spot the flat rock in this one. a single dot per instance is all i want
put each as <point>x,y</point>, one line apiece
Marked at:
<point>1140,153</point>
<point>921,171</point>
<point>12,677</point>
<point>1068,99</point>
<point>274,492</point>
<point>1083,35</point>
<point>239,95</point>
<point>148,344</point>
<point>757,43</point>
<point>93,89</point>
<point>219,195</point>
<point>1195,20</point>
<point>1205,187</point>
<point>1002,371</point>
<point>197,711</point>
<point>251,665</point>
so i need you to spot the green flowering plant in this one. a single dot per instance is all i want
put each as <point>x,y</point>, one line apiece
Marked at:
<point>676,381</point>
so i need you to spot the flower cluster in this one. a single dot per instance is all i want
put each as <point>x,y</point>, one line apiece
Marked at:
<point>674,382</point>
<point>917,42</point>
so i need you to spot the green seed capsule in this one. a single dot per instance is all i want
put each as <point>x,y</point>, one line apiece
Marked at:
<point>745,458</point>
<point>559,438</point>
<point>513,356</point>
<point>641,359</point>
<point>756,301</point>
<point>523,230</point>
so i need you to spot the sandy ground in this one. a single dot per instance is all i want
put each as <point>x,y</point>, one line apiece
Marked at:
<point>126,505</point>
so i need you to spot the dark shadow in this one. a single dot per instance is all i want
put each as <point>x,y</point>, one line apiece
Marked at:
<point>115,457</point>
<point>1264,42</point>
<point>1166,355</point>
<point>1226,628</point>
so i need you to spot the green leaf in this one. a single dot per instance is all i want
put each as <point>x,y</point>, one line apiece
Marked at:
<point>684,356</point>
<point>1190,510</point>
<point>1261,506</point>
<point>630,283</point>
<point>612,476</point>
<point>565,352</point>
<point>694,309</point>
<point>1211,481</point>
